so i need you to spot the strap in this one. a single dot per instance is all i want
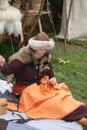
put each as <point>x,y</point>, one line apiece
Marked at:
<point>21,120</point>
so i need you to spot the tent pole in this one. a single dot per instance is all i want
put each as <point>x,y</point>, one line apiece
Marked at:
<point>67,23</point>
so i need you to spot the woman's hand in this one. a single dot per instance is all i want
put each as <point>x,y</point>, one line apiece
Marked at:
<point>53,81</point>
<point>2,61</point>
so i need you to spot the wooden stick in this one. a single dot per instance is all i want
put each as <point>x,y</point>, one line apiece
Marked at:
<point>35,23</point>
<point>67,23</point>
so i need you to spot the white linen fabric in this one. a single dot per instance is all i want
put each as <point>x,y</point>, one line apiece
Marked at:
<point>5,86</point>
<point>44,124</point>
<point>77,26</point>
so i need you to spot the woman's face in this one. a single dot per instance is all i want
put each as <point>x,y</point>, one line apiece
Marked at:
<point>40,53</point>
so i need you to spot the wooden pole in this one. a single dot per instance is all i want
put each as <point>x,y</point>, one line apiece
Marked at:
<point>67,23</point>
<point>35,23</point>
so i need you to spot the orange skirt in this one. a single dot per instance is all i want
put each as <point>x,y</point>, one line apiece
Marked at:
<point>45,101</point>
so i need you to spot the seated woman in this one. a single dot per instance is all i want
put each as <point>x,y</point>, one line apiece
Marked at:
<point>41,96</point>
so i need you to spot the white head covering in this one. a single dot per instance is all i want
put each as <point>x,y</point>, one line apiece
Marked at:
<point>41,41</point>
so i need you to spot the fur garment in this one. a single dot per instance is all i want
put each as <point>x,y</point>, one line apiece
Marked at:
<point>10,14</point>
<point>10,19</point>
<point>4,4</point>
<point>42,64</point>
<point>26,55</point>
<point>23,55</point>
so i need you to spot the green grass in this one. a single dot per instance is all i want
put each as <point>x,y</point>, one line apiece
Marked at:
<point>7,48</point>
<point>73,73</point>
